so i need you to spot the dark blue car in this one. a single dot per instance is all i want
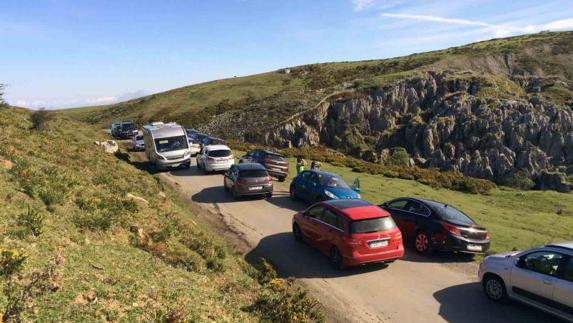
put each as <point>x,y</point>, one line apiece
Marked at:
<point>314,185</point>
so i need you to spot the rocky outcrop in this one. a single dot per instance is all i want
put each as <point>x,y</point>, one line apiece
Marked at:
<point>442,123</point>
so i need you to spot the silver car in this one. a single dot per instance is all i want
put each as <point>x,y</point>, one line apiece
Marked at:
<point>540,277</point>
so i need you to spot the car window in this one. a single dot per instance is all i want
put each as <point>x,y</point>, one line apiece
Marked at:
<point>398,205</point>
<point>333,181</point>
<point>568,270</point>
<point>305,176</point>
<point>417,208</point>
<point>170,144</point>
<point>315,212</point>
<point>219,153</point>
<point>543,262</point>
<point>372,225</point>
<point>252,173</point>
<point>329,217</point>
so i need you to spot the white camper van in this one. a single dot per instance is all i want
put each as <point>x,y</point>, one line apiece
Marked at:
<point>166,145</point>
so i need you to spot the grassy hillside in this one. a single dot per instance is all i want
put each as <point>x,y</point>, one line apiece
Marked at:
<point>85,236</point>
<point>505,65</point>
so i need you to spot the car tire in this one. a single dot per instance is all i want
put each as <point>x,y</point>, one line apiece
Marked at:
<point>422,243</point>
<point>336,258</point>
<point>282,179</point>
<point>494,288</point>
<point>292,192</point>
<point>297,234</point>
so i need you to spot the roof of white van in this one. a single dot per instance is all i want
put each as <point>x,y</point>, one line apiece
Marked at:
<point>163,130</point>
<point>567,245</point>
<point>217,147</point>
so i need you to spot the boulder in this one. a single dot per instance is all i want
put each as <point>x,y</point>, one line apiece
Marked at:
<point>109,146</point>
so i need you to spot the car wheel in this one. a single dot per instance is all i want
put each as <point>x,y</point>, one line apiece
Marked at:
<point>292,192</point>
<point>336,259</point>
<point>422,243</point>
<point>494,288</point>
<point>297,233</point>
<point>281,179</point>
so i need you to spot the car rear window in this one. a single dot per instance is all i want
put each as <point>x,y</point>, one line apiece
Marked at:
<point>275,157</point>
<point>220,153</point>
<point>248,173</point>
<point>451,214</point>
<point>372,225</point>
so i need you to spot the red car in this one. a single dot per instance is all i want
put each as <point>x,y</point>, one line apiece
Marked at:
<point>350,231</point>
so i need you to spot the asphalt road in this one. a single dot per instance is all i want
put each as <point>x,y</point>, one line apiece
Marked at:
<point>414,289</point>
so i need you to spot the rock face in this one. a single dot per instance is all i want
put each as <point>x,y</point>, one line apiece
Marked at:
<point>443,124</point>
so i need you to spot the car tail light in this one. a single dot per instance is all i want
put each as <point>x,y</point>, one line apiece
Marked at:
<point>398,236</point>
<point>241,181</point>
<point>487,235</point>
<point>452,229</point>
<point>352,242</point>
<point>268,179</point>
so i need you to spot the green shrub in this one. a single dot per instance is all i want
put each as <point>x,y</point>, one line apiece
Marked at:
<point>40,118</point>
<point>519,179</point>
<point>99,211</point>
<point>31,221</point>
<point>11,261</point>
<point>398,157</point>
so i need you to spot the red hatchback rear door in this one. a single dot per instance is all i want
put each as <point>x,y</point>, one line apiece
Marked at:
<point>371,236</point>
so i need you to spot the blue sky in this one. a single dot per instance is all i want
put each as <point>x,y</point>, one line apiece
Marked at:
<point>64,53</point>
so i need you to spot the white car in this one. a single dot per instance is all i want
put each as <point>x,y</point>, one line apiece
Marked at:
<point>540,277</point>
<point>214,158</point>
<point>194,147</point>
<point>137,142</point>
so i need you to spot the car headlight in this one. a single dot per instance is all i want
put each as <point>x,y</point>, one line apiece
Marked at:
<point>358,196</point>
<point>329,194</point>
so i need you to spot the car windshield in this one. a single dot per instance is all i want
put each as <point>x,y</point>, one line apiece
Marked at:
<point>275,156</point>
<point>451,214</point>
<point>219,153</point>
<point>372,225</point>
<point>249,173</point>
<point>332,181</point>
<point>127,126</point>
<point>170,144</point>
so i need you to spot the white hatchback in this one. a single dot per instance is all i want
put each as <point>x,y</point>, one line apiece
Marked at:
<point>214,158</point>
<point>540,277</point>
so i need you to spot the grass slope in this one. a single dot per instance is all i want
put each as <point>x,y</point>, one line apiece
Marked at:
<point>504,65</point>
<point>85,236</point>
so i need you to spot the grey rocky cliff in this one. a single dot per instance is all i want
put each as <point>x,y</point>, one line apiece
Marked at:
<point>443,124</point>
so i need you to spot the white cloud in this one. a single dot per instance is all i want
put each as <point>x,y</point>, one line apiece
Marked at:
<point>69,103</point>
<point>498,30</point>
<point>362,4</point>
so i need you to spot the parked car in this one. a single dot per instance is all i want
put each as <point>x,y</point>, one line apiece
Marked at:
<point>166,145</point>
<point>540,277</point>
<point>123,130</point>
<point>194,144</point>
<point>314,185</point>
<point>215,158</point>
<point>437,226</point>
<point>351,232</point>
<point>137,142</point>
<point>209,141</point>
<point>275,164</point>
<point>248,179</point>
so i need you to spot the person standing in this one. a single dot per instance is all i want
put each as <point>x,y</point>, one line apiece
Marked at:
<point>300,163</point>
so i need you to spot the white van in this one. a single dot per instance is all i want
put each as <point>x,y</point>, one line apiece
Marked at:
<point>166,145</point>
<point>214,158</point>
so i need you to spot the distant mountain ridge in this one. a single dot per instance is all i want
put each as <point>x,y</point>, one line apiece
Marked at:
<point>492,109</point>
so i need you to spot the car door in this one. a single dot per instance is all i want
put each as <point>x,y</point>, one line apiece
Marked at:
<point>534,275</point>
<point>229,177</point>
<point>302,185</point>
<point>563,286</point>
<point>330,230</point>
<point>309,225</point>
<point>314,188</point>
<point>418,216</point>
<point>397,209</point>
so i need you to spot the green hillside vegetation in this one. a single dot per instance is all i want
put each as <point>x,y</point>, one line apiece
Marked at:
<point>503,65</point>
<point>85,236</point>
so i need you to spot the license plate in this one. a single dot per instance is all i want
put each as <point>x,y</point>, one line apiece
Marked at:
<point>255,188</point>
<point>473,247</point>
<point>378,244</point>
